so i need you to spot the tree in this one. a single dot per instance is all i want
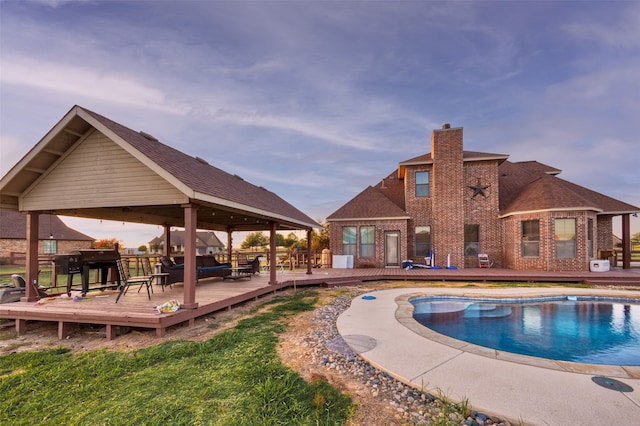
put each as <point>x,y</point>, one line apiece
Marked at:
<point>635,239</point>
<point>106,243</point>
<point>291,240</point>
<point>320,240</point>
<point>142,249</point>
<point>255,239</point>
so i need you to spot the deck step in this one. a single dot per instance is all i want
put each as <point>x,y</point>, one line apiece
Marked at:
<point>341,283</point>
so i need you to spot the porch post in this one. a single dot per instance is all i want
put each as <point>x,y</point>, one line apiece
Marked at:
<point>272,249</point>
<point>31,294</point>
<point>626,241</point>
<point>309,234</point>
<point>190,223</point>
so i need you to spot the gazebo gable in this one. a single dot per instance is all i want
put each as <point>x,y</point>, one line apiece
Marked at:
<point>99,172</point>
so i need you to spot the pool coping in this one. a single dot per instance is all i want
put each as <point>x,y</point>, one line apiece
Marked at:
<point>404,315</point>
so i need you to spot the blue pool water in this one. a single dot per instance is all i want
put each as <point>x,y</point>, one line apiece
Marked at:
<point>574,329</point>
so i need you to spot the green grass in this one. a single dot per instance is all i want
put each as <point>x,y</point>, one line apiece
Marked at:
<point>234,378</point>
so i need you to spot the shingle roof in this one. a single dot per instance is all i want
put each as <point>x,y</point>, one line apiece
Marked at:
<point>385,200</point>
<point>13,225</point>
<point>466,156</point>
<point>552,193</point>
<point>201,176</point>
<point>203,239</point>
<point>514,177</point>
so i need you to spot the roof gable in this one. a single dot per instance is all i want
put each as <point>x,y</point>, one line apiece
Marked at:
<point>225,201</point>
<point>372,203</point>
<point>98,171</point>
<point>514,177</point>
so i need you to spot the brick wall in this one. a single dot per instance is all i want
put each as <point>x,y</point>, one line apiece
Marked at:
<point>547,260</point>
<point>13,245</point>
<point>447,182</point>
<point>419,208</point>
<point>335,231</point>
<point>483,210</point>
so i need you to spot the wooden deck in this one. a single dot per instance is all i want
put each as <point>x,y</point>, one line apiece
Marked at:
<point>135,310</point>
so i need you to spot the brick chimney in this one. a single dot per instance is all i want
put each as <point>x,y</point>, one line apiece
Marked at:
<point>448,196</point>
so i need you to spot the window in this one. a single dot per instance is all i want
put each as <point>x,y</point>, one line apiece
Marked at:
<point>565,238</point>
<point>422,184</point>
<point>50,246</point>
<point>423,241</point>
<point>367,241</point>
<point>471,240</point>
<point>349,240</point>
<point>530,238</point>
<point>590,237</point>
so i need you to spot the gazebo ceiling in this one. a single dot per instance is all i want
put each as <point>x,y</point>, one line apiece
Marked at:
<point>212,218</point>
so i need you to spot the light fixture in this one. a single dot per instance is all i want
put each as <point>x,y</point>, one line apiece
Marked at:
<point>50,230</point>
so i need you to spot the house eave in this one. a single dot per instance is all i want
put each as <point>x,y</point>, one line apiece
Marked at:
<point>558,209</point>
<point>369,219</point>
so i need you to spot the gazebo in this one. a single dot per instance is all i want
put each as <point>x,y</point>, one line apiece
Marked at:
<point>90,166</point>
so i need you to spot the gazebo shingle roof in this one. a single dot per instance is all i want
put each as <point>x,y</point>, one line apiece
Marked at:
<point>202,177</point>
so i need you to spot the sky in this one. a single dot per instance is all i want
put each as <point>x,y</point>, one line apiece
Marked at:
<point>315,101</point>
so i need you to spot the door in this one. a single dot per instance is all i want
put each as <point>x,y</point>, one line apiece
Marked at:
<point>392,248</point>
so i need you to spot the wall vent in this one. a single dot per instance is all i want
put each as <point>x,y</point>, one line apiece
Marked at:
<point>148,136</point>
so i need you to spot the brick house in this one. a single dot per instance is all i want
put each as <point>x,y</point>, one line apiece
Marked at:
<point>452,204</point>
<point>207,242</point>
<point>54,237</point>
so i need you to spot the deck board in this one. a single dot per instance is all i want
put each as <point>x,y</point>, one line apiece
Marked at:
<point>135,310</point>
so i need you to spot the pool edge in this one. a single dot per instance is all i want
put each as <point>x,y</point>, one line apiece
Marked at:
<point>404,315</point>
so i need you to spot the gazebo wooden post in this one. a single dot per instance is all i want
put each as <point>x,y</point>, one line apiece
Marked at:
<point>229,243</point>
<point>309,235</point>
<point>31,294</point>
<point>273,259</point>
<point>626,241</point>
<point>190,224</point>
<point>166,250</point>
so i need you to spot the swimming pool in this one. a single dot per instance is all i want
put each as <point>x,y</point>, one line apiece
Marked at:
<point>568,328</point>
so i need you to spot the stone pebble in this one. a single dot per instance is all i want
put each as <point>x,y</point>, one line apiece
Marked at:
<point>413,406</point>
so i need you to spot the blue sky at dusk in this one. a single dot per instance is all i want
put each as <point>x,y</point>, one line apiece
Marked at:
<point>317,100</point>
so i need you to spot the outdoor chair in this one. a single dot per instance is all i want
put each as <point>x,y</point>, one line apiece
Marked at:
<point>126,279</point>
<point>484,261</point>
<point>159,277</point>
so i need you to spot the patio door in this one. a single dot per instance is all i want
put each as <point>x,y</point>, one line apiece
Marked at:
<point>392,248</point>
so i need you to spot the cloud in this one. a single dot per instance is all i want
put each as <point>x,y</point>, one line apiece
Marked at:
<point>83,82</point>
<point>622,30</point>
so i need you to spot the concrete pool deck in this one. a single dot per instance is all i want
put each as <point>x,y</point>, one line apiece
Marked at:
<point>523,389</point>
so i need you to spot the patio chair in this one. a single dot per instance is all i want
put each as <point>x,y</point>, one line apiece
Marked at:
<point>126,279</point>
<point>484,261</point>
<point>158,276</point>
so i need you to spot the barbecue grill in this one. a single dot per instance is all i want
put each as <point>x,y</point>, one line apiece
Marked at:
<point>82,261</point>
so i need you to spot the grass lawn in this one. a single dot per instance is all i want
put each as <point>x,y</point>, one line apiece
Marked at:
<point>234,378</point>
